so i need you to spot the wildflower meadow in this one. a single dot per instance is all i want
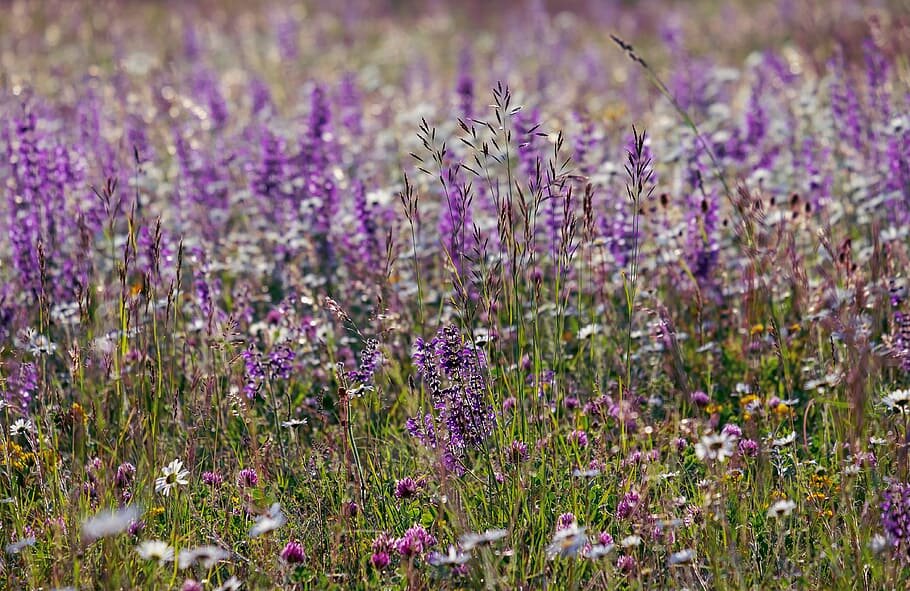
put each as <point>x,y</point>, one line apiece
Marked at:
<point>399,295</point>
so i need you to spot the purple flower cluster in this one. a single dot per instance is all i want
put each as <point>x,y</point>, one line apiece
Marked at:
<point>259,369</point>
<point>452,371</point>
<point>895,510</point>
<point>416,541</point>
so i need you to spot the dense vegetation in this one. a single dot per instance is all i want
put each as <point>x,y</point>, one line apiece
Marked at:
<point>520,296</point>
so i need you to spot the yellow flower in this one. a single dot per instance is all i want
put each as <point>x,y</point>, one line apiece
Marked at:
<point>733,476</point>
<point>782,410</point>
<point>816,497</point>
<point>758,328</point>
<point>15,456</point>
<point>748,399</point>
<point>713,408</point>
<point>156,511</point>
<point>78,413</point>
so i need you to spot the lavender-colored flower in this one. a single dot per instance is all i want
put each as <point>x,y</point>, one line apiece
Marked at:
<point>350,509</point>
<point>380,560</point>
<point>414,542</point>
<point>700,399</point>
<point>579,438</point>
<point>518,452</point>
<point>626,564</point>
<point>453,373</point>
<point>748,448</point>
<point>248,478</point>
<point>895,509</point>
<point>565,520</point>
<point>732,430</point>
<point>370,359</point>
<point>627,505</point>
<point>406,488</point>
<point>212,479</point>
<point>293,553</point>
<point>125,474</point>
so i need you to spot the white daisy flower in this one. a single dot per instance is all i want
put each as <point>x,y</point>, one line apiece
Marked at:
<point>599,551</point>
<point>897,401</point>
<point>588,331</point>
<point>21,427</point>
<point>453,557</point>
<point>879,544</point>
<point>470,541</point>
<point>207,556</point>
<point>717,447</point>
<point>109,523</point>
<point>781,509</point>
<point>38,344</point>
<point>173,475</point>
<point>155,550</point>
<point>268,522</point>
<point>567,542</point>
<point>232,584</point>
<point>784,441</point>
<point>19,545</point>
<point>293,423</point>
<point>681,557</point>
<point>630,541</point>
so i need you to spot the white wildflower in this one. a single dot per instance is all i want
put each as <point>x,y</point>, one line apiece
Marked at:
<point>567,542</point>
<point>717,447</point>
<point>897,401</point>
<point>155,550</point>
<point>207,556</point>
<point>268,522</point>
<point>781,509</point>
<point>109,523</point>
<point>470,541</point>
<point>173,475</point>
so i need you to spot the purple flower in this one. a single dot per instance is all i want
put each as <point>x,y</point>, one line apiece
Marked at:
<point>895,508</point>
<point>380,560</point>
<point>383,543</point>
<point>700,399</point>
<point>124,476</point>
<point>370,359</point>
<point>414,542</point>
<point>406,488</point>
<point>626,564</point>
<point>350,509</point>
<point>136,527</point>
<point>748,448</point>
<point>565,521</point>
<point>212,479</point>
<point>732,430</point>
<point>453,373</point>
<point>627,505</point>
<point>518,452</point>
<point>293,553</point>
<point>248,478</point>
<point>579,438</point>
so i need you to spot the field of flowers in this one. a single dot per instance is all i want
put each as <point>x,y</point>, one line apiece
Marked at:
<point>426,295</point>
